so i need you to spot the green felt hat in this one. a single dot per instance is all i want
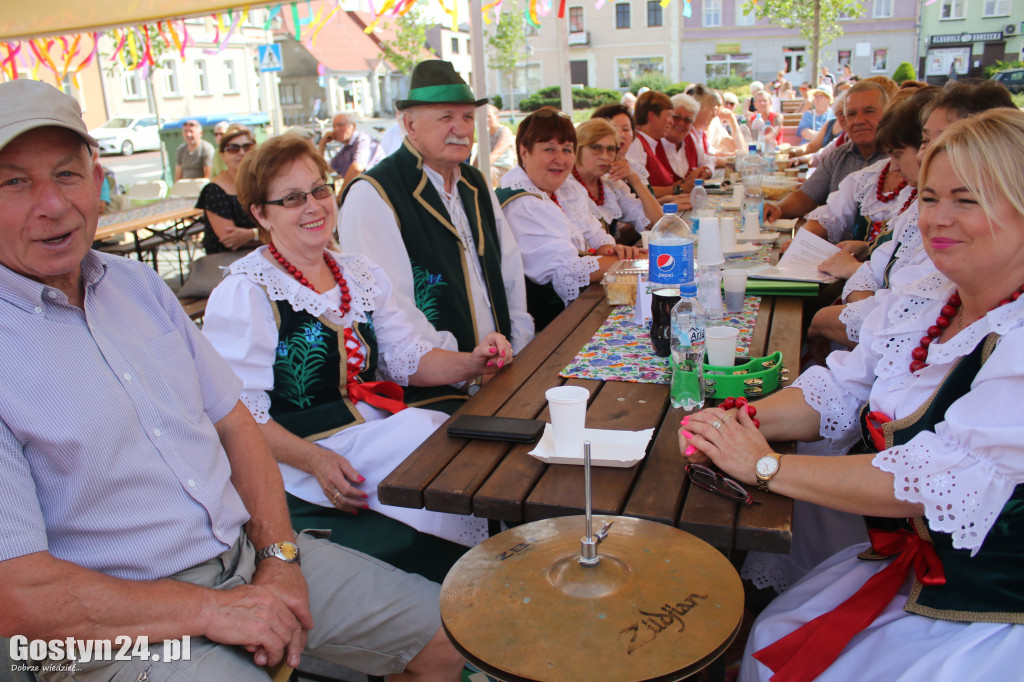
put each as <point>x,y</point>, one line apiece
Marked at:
<point>435,82</point>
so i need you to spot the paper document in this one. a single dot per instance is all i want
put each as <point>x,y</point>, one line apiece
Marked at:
<point>801,260</point>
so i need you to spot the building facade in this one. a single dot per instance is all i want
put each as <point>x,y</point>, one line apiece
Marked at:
<point>624,40</point>
<point>965,36</point>
<point>454,47</point>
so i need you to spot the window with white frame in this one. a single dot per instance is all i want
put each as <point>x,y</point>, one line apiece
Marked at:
<point>883,9</point>
<point>722,65</point>
<point>172,86</point>
<point>712,13</point>
<point>133,86</point>
<point>289,93</point>
<point>230,76</point>
<point>654,13</point>
<point>202,77</point>
<point>631,68</point>
<point>880,61</point>
<point>576,20</point>
<point>622,15</point>
<point>743,17</point>
<point>996,8</point>
<point>952,9</point>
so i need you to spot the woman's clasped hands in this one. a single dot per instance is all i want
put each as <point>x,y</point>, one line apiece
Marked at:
<point>729,438</point>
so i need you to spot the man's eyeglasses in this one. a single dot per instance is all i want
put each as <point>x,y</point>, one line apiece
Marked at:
<point>719,484</point>
<point>600,149</point>
<point>296,199</point>
<point>235,148</point>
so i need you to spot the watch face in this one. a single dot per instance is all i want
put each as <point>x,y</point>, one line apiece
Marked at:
<point>766,466</point>
<point>288,551</point>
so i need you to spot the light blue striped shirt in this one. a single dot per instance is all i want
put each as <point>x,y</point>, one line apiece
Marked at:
<point>108,453</point>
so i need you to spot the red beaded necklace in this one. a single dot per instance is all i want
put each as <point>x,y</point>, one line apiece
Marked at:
<point>346,299</point>
<point>600,188</point>
<point>909,201</point>
<point>882,196</point>
<point>951,309</point>
<point>555,199</point>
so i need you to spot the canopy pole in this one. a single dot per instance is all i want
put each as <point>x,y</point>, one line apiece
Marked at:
<point>483,133</point>
<point>564,75</point>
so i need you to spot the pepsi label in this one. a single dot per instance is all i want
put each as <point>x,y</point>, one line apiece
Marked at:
<point>670,264</point>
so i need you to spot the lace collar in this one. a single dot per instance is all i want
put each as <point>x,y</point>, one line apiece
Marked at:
<point>572,202</point>
<point>610,210</point>
<point>912,308</point>
<point>865,195</point>
<point>283,287</point>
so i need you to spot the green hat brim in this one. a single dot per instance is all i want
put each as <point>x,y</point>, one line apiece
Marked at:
<point>453,93</point>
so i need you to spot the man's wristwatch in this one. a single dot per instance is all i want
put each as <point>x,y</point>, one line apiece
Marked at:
<point>284,550</point>
<point>677,188</point>
<point>765,468</point>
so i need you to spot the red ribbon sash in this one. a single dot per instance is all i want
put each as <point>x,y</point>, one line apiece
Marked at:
<point>385,395</point>
<point>874,421</point>
<point>805,653</point>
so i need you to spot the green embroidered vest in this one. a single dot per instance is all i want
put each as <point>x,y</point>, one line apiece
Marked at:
<point>988,586</point>
<point>542,302</point>
<point>440,271</point>
<point>310,398</point>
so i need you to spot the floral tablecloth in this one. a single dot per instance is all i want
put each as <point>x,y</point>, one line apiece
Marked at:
<point>621,350</point>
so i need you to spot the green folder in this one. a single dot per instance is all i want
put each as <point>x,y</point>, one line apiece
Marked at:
<point>781,287</point>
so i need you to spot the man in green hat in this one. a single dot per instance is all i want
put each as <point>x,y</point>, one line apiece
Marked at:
<point>433,223</point>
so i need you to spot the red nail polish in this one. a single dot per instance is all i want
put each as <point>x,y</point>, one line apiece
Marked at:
<point>362,479</point>
<point>690,450</point>
<point>686,434</point>
<point>501,363</point>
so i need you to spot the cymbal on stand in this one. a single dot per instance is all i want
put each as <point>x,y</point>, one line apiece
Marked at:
<point>661,604</point>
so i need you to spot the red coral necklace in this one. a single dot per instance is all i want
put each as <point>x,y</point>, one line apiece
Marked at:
<point>885,198</point>
<point>599,200</point>
<point>346,299</point>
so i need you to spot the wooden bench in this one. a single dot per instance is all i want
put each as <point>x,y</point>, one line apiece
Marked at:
<point>195,307</point>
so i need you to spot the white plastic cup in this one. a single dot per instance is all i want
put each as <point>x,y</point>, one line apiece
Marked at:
<point>751,224</point>
<point>734,281</point>
<point>567,406</point>
<point>721,345</point>
<point>645,237</point>
<point>709,243</point>
<point>727,228</point>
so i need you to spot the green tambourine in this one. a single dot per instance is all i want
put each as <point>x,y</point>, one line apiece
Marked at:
<point>753,378</point>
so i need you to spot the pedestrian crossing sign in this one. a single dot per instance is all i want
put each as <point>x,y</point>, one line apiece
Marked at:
<point>270,57</point>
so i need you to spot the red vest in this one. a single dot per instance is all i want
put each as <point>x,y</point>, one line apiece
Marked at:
<point>660,172</point>
<point>690,148</point>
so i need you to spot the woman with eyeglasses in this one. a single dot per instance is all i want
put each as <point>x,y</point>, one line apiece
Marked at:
<point>563,245</point>
<point>311,332</point>
<point>231,228</point>
<point>930,394</point>
<point>604,175</point>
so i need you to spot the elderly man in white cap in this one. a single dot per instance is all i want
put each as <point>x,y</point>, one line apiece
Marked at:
<point>137,497</point>
<point>432,222</point>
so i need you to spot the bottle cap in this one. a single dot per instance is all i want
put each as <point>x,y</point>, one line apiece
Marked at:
<point>669,208</point>
<point>688,289</point>
<point>753,148</point>
<point>698,183</point>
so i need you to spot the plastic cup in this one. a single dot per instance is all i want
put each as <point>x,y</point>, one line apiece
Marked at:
<point>709,245</point>
<point>751,224</point>
<point>721,345</point>
<point>734,281</point>
<point>645,237</point>
<point>727,228</point>
<point>567,406</point>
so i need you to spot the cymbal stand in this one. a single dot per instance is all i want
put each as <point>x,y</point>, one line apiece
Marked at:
<point>588,544</point>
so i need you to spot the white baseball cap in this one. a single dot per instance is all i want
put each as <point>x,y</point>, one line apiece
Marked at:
<point>27,104</point>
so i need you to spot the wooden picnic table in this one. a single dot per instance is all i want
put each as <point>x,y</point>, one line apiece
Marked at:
<point>168,221</point>
<point>501,481</point>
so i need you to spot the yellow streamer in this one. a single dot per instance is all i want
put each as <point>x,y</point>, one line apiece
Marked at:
<point>133,48</point>
<point>326,20</point>
<point>177,41</point>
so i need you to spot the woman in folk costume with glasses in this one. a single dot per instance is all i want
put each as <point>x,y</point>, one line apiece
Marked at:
<point>310,331</point>
<point>563,244</point>
<point>932,389</point>
<point>624,209</point>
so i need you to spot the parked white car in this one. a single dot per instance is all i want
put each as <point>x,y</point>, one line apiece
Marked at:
<point>127,135</point>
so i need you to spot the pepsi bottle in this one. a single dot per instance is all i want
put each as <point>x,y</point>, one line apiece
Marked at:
<point>670,251</point>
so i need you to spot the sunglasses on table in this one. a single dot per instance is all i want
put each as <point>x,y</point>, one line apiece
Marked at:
<point>296,199</point>
<point>235,148</point>
<point>717,483</point>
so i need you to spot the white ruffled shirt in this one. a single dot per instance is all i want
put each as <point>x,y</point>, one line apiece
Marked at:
<point>239,321</point>
<point>619,204</point>
<point>965,470</point>
<point>856,193</point>
<point>551,236</point>
<point>676,157</point>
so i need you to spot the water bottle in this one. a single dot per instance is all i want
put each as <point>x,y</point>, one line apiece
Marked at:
<point>709,291</point>
<point>687,359</point>
<point>744,138</point>
<point>699,202</point>
<point>670,251</point>
<point>757,130</point>
<point>751,169</point>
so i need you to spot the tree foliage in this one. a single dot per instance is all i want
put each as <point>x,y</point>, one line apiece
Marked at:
<point>406,50</point>
<point>800,14</point>
<point>508,41</point>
